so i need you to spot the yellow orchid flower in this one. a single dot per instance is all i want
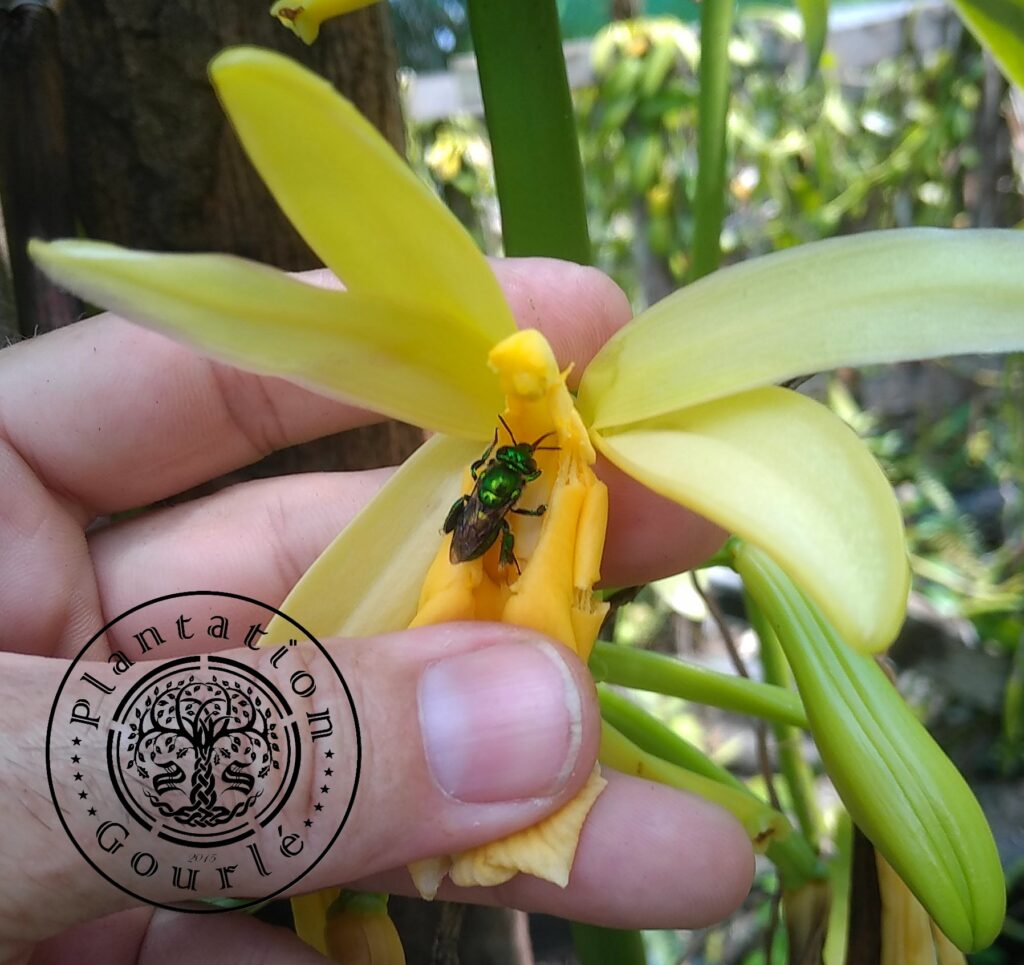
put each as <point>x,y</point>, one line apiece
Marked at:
<point>683,398</point>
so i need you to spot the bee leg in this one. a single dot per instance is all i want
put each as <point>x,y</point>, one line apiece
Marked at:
<point>539,511</point>
<point>474,469</point>
<point>508,542</point>
<point>452,519</point>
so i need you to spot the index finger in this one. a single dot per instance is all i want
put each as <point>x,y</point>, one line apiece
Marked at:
<point>113,416</point>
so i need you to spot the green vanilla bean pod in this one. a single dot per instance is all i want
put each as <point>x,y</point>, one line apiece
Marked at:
<point>897,784</point>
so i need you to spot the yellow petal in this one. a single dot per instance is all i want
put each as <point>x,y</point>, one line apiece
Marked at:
<point>544,850</point>
<point>428,874</point>
<point>368,580</point>
<point>353,199</point>
<point>787,475</point>
<point>382,354</point>
<point>875,297</point>
<point>303,17</point>
<point>906,928</point>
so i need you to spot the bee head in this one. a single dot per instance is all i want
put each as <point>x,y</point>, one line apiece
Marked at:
<point>518,458</point>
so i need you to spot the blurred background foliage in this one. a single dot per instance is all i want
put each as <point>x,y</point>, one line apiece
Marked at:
<point>929,137</point>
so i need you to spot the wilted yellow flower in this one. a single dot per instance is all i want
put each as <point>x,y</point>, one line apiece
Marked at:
<point>304,17</point>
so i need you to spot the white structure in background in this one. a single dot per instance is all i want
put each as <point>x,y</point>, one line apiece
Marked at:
<point>859,36</point>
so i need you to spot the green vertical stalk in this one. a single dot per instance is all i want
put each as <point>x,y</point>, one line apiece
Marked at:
<point>1013,701</point>
<point>712,113</point>
<point>607,946</point>
<point>530,119</point>
<point>795,770</point>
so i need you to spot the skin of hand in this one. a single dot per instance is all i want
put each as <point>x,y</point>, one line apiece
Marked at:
<point>104,417</point>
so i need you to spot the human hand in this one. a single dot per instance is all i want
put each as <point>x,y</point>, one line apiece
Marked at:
<point>105,417</point>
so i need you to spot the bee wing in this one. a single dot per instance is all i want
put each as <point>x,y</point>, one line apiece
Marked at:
<point>476,530</point>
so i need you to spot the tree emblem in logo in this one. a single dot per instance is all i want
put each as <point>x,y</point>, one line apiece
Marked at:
<point>206,752</point>
<point>224,732</point>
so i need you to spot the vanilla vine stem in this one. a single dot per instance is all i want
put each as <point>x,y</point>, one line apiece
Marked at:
<point>528,106</point>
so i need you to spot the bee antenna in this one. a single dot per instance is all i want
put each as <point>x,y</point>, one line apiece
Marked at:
<point>511,435</point>
<point>546,448</point>
<point>537,445</point>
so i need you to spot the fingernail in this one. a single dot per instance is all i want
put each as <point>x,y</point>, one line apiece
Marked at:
<point>501,724</point>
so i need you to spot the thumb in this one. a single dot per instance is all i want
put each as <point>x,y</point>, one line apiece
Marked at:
<point>472,731</point>
<point>466,733</point>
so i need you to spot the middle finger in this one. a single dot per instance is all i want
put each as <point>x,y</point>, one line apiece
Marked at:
<point>258,538</point>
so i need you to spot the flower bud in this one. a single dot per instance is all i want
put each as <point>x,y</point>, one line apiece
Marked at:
<point>898,785</point>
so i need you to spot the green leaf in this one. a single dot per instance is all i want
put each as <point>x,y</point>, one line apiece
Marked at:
<point>999,27</point>
<point>595,945</point>
<point>815,17</point>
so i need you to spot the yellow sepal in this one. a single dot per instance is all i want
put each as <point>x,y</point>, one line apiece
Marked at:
<point>354,200</point>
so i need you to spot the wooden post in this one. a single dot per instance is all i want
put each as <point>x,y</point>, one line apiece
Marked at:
<point>35,190</point>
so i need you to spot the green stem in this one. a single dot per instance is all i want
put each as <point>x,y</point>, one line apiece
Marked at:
<point>530,119</point>
<point>712,113</point>
<point>363,902</point>
<point>650,734</point>
<point>795,770</point>
<point>595,945</point>
<point>1013,700</point>
<point>762,823</point>
<point>654,672</point>
<point>793,856</point>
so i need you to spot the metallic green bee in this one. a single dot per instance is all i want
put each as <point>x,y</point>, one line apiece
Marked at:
<point>476,520</point>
